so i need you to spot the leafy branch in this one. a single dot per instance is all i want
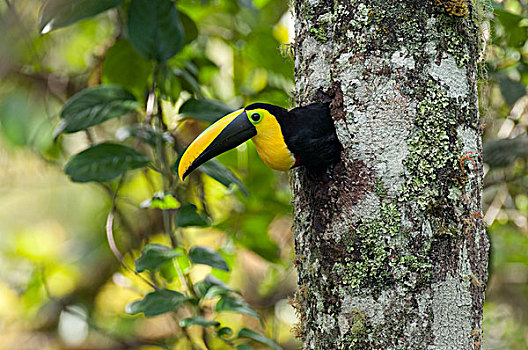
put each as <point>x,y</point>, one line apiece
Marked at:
<point>157,32</point>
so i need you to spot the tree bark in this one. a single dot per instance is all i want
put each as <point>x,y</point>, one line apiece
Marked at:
<point>391,249</point>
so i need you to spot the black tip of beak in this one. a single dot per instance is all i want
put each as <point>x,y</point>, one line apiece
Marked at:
<point>177,165</point>
<point>185,174</point>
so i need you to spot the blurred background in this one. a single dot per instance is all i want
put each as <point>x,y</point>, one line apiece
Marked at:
<point>60,285</point>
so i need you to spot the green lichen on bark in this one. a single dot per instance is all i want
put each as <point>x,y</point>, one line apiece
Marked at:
<point>319,33</point>
<point>433,154</point>
<point>318,23</point>
<point>375,251</point>
<point>374,237</point>
<point>357,321</point>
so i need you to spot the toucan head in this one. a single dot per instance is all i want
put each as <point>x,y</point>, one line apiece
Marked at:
<point>259,122</point>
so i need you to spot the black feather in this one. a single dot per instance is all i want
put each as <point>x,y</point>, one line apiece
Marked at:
<point>309,133</point>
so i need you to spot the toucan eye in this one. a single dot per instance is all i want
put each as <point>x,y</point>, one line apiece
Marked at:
<point>255,117</point>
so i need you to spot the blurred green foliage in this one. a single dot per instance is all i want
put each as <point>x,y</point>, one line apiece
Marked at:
<point>503,108</point>
<point>111,92</point>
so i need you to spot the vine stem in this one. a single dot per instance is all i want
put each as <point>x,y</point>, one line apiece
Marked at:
<point>111,240</point>
<point>110,237</point>
<point>115,250</point>
<point>153,109</point>
<point>89,137</point>
<point>154,103</point>
<point>149,108</point>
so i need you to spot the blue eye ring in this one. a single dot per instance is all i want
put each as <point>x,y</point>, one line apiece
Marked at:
<point>255,117</point>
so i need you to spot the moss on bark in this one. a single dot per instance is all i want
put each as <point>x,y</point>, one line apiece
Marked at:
<point>390,238</point>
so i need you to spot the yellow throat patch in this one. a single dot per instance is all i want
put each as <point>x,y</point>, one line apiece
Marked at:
<point>269,142</point>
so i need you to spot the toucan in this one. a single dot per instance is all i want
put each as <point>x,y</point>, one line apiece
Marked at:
<point>283,139</point>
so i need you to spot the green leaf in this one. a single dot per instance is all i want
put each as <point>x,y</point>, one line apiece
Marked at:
<point>123,66</point>
<point>191,67</point>
<point>145,133</point>
<point>169,269</point>
<point>161,201</point>
<point>243,347</point>
<point>169,83</point>
<point>248,333</point>
<point>155,29</point>
<point>157,303</point>
<point>198,320</point>
<point>225,275</point>
<point>61,13</point>
<point>104,162</point>
<point>207,256</point>
<point>218,171</point>
<point>183,262</point>
<point>228,303</point>
<point>189,27</point>
<point>188,216</point>
<point>515,34</point>
<point>93,106</point>
<point>153,256</point>
<point>188,81</point>
<point>216,291</point>
<point>204,110</point>
<point>211,287</point>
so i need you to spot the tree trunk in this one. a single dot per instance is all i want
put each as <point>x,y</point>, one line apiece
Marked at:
<point>391,248</point>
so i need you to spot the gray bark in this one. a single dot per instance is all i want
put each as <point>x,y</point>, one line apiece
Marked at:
<point>391,249</point>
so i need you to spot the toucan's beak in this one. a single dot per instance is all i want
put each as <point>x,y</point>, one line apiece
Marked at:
<point>227,133</point>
